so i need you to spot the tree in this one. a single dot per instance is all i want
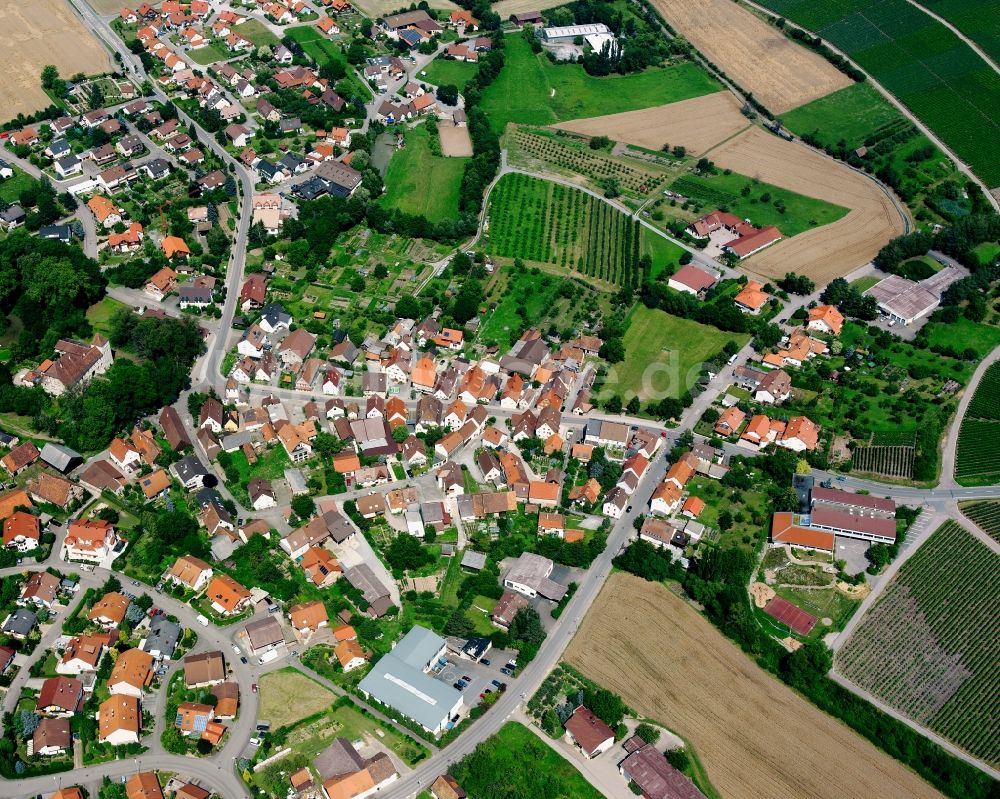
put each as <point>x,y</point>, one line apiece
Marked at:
<point>613,350</point>
<point>448,94</point>
<point>648,733</point>
<point>303,506</point>
<point>49,76</point>
<point>400,434</point>
<point>406,553</point>
<point>459,625</point>
<point>604,704</point>
<point>526,626</point>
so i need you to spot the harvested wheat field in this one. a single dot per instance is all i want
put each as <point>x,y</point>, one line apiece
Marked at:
<point>697,124</point>
<point>455,141</point>
<point>38,33</point>
<point>379,8</point>
<point>781,74</point>
<point>756,738</point>
<point>825,252</point>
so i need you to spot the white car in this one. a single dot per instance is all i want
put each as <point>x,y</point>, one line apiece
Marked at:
<point>236,649</point>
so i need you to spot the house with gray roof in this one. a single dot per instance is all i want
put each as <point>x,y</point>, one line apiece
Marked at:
<point>60,457</point>
<point>162,638</point>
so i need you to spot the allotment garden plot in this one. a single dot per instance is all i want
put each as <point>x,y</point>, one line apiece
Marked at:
<point>890,455</point>
<point>976,459</point>
<point>547,223</point>
<point>929,646</point>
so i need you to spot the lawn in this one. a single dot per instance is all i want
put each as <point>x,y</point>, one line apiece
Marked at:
<point>442,72</point>
<point>514,762</point>
<point>851,114</point>
<point>963,334</point>
<point>761,203</point>
<point>864,283</point>
<point>11,188</point>
<point>99,314</point>
<point>209,54</point>
<point>525,301</point>
<point>288,696</point>
<point>664,253</point>
<point>478,613</point>
<point>664,354</point>
<point>532,90</point>
<point>987,252</point>
<point>258,33</point>
<point>421,183</point>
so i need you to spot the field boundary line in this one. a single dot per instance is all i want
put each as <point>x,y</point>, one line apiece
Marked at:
<point>894,101</point>
<point>728,138</point>
<point>965,39</point>
<point>841,680</point>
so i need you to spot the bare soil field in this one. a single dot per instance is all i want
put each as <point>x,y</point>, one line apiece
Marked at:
<point>38,33</point>
<point>108,7</point>
<point>455,141</point>
<point>756,738</point>
<point>507,7</point>
<point>825,252</point>
<point>697,124</point>
<point>781,74</point>
<point>379,8</point>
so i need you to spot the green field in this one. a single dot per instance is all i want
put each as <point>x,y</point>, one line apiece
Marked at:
<point>515,763</point>
<point>978,20</point>
<point>928,646</point>
<point>257,33</point>
<point>99,314</point>
<point>663,252</point>
<point>533,90</point>
<point>986,514</point>
<point>664,354</point>
<point>987,252</point>
<point>761,203</point>
<point>976,461</point>
<point>11,188</point>
<point>937,76</point>
<point>549,223</point>
<point>442,72</point>
<point>209,54</point>
<point>862,284</point>
<point>421,183</point>
<point>962,334</point>
<point>851,114</point>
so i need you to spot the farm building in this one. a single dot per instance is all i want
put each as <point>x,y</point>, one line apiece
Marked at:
<point>567,33</point>
<point>692,279</point>
<point>904,301</point>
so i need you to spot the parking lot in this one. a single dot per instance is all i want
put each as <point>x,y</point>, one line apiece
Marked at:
<point>480,675</point>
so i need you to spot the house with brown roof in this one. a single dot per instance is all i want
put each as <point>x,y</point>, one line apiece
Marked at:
<point>155,484</point>
<point>132,673</point>
<point>447,787</point>
<point>102,475</point>
<point>308,617</point>
<point>83,653</point>
<point>21,532</point>
<point>320,566</point>
<point>193,717</point>
<point>207,668</point>
<point>296,347</point>
<point>825,319</point>
<point>226,596</point>
<point>52,489</point>
<point>729,422</point>
<point>587,732</point>
<point>51,737</point>
<point>20,458</point>
<point>41,590</point>
<point>110,610</point>
<point>77,363</point>
<point>59,697</point>
<point>143,785</point>
<point>189,571</point>
<point>161,283</point>
<point>801,433</point>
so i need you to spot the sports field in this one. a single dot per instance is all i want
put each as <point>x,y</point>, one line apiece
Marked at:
<point>419,182</point>
<point>442,72</point>
<point>928,647</point>
<point>532,90</point>
<point>935,74</point>
<point>35,34</point>
<point>761,203</point>
<point>755,737</point>
<point>664,355</point>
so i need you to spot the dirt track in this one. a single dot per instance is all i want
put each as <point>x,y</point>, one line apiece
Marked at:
<point>455,141</point>
<point>37,33</point>
<point>756,738</point>
<point>780,73</point>
<point>697,124</point>
<point>826,252</point>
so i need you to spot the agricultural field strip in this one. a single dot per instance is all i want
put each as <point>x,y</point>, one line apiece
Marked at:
<point>986,515</point>
<point>888,461</point>
<point>544,222</point>
<point>926,66</point>
<point>979,433</point>
<point>671,665</point>
<point>929,646</point>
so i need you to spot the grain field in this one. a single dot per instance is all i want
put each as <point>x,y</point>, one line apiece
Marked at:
<point>781,74</point>
<point>42,32</point>
<point>697,124</point>
<point>826,252</point>
<point>756,738</point>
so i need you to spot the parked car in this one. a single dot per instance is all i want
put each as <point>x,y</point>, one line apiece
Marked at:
<point>485,662</point>
<point>243,660</point>
<point>254,687</point>
<point>467,678</point>
<point>236,649</point>
<point>506,671</point>
<point>497,683</point>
